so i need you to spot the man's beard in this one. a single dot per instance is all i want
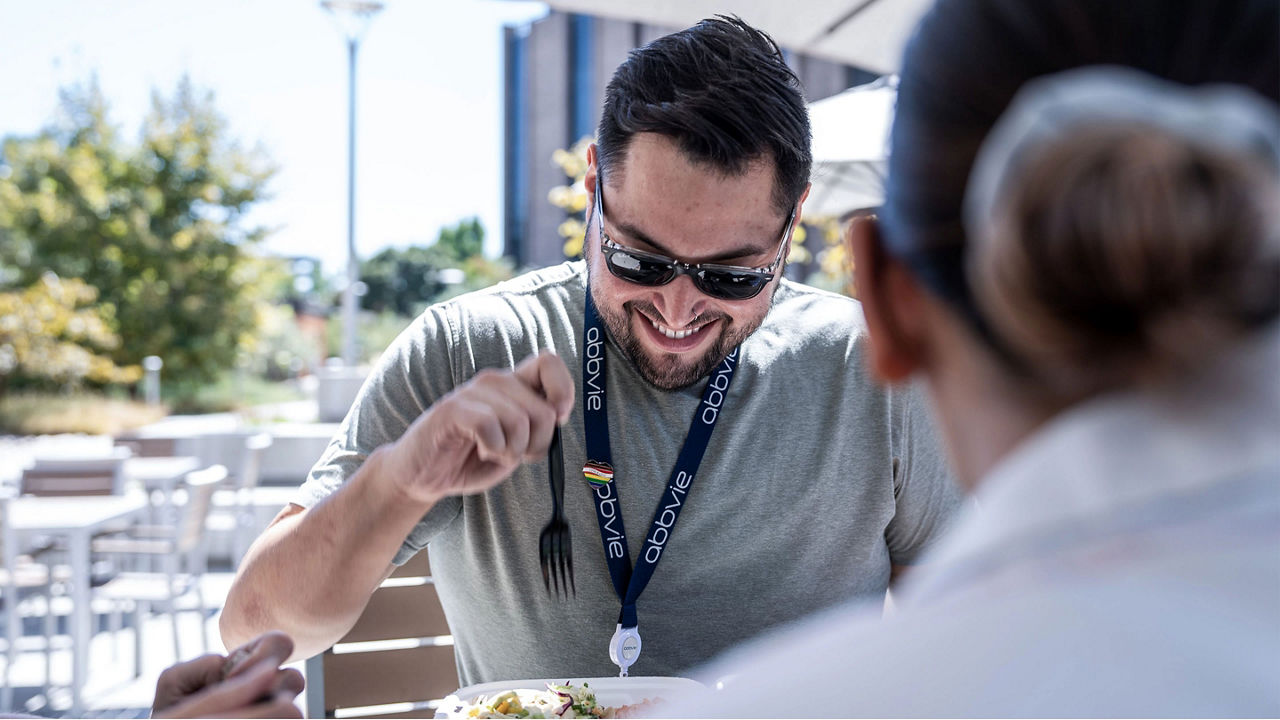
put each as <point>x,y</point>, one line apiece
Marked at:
<point>669,371</point>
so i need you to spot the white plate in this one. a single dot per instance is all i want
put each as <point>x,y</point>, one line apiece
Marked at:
<point>610,691</point>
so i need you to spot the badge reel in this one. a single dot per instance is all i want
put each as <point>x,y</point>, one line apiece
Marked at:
<point>624,647</point>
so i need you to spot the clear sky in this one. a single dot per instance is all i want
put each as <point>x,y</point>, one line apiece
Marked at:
<point>429,104</point>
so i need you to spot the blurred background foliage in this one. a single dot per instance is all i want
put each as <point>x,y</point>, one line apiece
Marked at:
<point>154,226</point>
<point>115,247</point>
<point>53,335</point>
<point>399,283</point>
<point>406,280</point>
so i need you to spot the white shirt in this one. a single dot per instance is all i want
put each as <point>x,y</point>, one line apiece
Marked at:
<point>1125,562</point>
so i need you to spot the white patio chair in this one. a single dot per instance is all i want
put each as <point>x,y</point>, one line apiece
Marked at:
<point>181,551</point>
<point>242,453</point>
<point>26,590</point>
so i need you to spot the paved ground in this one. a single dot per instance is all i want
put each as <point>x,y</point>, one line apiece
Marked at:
<point>112,691</point>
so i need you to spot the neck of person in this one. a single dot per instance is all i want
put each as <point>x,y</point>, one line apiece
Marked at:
<point>983,409</point>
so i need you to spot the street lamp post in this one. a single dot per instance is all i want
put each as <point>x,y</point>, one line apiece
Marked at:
<point>353,18</point>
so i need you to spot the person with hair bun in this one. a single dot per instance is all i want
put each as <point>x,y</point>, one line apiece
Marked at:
<point>1079,253</point>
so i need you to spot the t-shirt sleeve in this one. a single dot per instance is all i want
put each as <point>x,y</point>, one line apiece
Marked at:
<point>926,496</point>
<point>415,371</point>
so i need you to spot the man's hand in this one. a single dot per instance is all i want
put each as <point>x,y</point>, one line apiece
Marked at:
<point>248,683</point>
<point>477,435</point>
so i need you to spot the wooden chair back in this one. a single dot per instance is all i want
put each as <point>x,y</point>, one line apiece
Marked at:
<point>148,446</point>
<point>99,475</point>
<point>396,662</point>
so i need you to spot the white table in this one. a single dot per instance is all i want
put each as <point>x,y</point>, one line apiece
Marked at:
<point>160,473</point>
<point>76,519</point>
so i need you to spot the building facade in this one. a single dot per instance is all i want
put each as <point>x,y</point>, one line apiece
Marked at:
<point>556,70</point>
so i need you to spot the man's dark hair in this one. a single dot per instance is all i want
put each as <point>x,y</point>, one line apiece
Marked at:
<point>723,92</point>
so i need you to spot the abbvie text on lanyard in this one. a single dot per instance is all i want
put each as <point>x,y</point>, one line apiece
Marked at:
<point>624,647</point>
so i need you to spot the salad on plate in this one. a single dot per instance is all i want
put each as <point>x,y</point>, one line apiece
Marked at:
<point>556,701</point>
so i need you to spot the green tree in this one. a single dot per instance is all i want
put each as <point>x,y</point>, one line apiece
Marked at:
<point>403,281</point>
<point>157,225</point>
<point>51,334</point>
<point>462,241</point>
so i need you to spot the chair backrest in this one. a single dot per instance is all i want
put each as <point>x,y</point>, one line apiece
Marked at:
<point>251,468</point>
<point>148,446</point>
<point>8,539</point>
<point>397,661</point>
<point>200,485</point>
<point>239,450</point>
<point>96,475</point>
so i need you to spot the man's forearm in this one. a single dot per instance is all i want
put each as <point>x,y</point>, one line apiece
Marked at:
<point>311,573</point>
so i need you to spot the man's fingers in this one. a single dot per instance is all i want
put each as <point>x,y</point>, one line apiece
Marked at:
<point>289,680</point>
<point>482,424</point>
<point>548,376</point>
<point>273,644</point>
<point>192,675</point>
<point>536,417</point>
<point>221,699</point>
<point>279,706</point>
<point>245,688</point>
<point>184,679</point>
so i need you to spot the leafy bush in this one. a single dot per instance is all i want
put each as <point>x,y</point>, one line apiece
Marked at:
<point>50,339</point>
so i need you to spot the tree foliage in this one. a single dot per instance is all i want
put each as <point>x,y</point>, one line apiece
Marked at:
<point>463,241</point>
<point>52,334</point>
<point>404,281</point>
<point>156,226</point>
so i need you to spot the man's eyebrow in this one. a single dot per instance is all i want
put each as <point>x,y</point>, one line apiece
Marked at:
<point>634,233</point>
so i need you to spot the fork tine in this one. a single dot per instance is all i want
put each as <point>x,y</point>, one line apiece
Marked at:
<point>555,556</point>
<point>564,577</point>
<point>544,561</point>
<point>568,547</point>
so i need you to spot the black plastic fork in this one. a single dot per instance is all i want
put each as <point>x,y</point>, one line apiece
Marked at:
<point>555,547</point>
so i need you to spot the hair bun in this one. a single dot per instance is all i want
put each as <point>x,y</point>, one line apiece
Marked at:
<point>1122,226</point>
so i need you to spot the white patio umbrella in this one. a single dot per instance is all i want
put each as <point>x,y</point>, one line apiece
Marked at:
<point>867,33</point>
<point>850,148</point>
<point>850,130</point>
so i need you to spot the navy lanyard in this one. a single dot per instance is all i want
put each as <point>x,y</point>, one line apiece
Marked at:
<point>628,584</point>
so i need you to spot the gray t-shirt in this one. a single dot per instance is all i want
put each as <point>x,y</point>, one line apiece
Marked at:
<point>815,482</point>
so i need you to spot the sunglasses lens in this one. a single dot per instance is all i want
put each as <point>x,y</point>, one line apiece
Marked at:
<point>730,285</point>
<point>639,270</point>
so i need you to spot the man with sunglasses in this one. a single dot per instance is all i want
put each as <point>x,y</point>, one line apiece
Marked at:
<point>690,382</point>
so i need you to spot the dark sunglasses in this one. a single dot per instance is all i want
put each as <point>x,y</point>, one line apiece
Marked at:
<point>725,282</point>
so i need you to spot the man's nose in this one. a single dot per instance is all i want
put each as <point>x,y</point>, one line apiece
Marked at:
<point>679,302</point>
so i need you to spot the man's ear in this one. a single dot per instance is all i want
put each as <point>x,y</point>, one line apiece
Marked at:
<point>892,302</point>
<point>589,179</point>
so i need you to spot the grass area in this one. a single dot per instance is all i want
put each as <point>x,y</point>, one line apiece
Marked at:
<point>231,393</point>
<point>49,413</point>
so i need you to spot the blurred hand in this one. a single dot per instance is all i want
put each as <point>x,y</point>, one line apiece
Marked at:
<point>248,683</point>
<point>474,437</point>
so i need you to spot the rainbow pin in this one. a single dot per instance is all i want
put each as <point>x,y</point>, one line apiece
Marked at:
<point>598,473</point>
